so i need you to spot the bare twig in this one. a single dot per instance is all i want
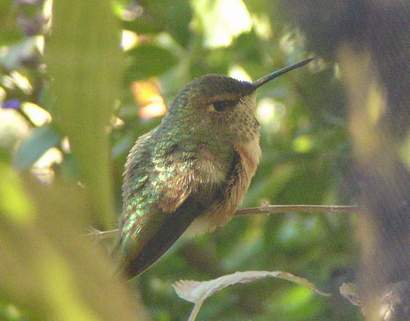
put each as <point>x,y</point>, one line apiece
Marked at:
<point>101,235</point>
<point>267,209</point>
<point>274,209</point>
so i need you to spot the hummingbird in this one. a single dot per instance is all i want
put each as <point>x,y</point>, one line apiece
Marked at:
<point>193,169</point>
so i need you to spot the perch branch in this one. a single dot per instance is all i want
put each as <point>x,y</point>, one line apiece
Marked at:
<point>267,209</point>
<point>274,209</point>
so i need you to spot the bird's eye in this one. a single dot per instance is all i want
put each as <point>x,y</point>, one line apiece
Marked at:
<point>223,105</point>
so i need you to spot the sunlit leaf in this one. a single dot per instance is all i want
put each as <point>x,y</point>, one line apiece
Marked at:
<point>222,20</point>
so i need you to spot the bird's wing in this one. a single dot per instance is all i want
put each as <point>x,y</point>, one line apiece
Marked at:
<point>159,202</point>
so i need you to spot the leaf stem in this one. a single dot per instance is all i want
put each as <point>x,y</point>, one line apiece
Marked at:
<point>195,310</point>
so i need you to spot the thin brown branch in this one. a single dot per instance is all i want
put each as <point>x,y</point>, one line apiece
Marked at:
<point>275,209</point>
<point>268,209</point>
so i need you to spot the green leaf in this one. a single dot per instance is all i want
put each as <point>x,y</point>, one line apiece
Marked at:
<point>31,149</point>
<point>141,25</point>
<point>177,19</point>
<point>149,61</point>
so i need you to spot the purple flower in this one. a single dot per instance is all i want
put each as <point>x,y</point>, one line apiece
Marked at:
<point>11,104</point>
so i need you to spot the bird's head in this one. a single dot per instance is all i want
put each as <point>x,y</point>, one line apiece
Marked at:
<point>221,107</point>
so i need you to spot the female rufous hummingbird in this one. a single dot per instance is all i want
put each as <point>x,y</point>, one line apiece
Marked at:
<point>191,170</point>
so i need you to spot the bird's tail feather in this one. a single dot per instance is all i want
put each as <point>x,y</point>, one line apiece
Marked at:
<point>172,228</point>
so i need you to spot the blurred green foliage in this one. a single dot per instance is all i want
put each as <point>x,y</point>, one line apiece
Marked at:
<point>82,108</point>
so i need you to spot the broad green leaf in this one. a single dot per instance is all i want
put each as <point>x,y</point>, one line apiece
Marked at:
<point>177,17</point>
<point>142,26</point>
<point>31,149</point>
<point>83,58</point>
<point>148,61</point>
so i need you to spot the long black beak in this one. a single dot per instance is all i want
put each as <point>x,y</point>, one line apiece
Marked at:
<point>277,73</point>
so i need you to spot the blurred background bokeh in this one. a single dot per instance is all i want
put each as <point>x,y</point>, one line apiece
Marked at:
<point>65,133</point>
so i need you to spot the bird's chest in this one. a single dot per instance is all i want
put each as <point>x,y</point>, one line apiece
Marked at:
<point>236,183</point>
<point>213,166</point>
<point>249,157</point>
<point>250,154</point>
